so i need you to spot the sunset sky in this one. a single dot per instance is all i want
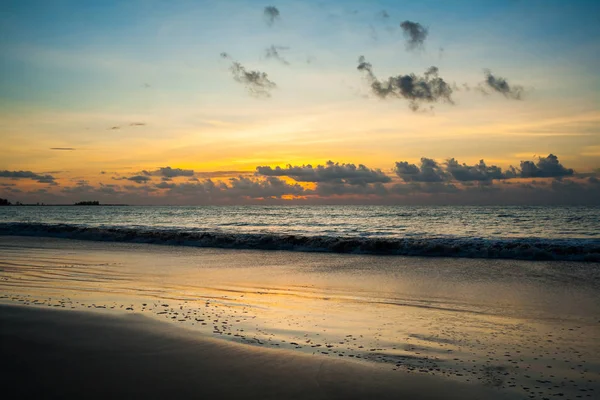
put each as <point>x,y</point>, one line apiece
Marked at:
<point>166,102</point>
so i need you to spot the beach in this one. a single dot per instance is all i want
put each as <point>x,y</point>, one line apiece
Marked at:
<point>154,320</point>
<point>62,354</point>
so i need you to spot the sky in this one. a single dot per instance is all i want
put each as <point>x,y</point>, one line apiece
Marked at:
<point>300,102</point>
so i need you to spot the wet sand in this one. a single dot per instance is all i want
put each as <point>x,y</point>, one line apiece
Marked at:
<point>74,354</point>
<point>513,329</point>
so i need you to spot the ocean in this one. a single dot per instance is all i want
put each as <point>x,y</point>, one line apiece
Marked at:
<point>517,232</point>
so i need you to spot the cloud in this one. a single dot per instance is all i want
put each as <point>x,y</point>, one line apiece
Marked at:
<point>501,85</point>
<point>432,171</point>
<point>429,88</point>
<point>28,175</point>
<point>271,13</point>
<point>114,128</point>
<point>237,188</point>
<point>137,124</point>
<point>257,83</point>
<point>546,167</point>
<point>383,14</point>
<point>329,173</point>
<point>273,52</point>
<point>478,172</point>
<point>139,178</point>
<point>414,33</point>
<point>429,171</point>
<point>169,172</point>
<point>63,148</point>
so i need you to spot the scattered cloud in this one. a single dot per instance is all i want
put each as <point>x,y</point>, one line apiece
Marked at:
<point>546,167</point>
<point>478,172</point>
<point>139,178</point>
<point>429,88</point>
<point>383,14</point>
<point>28,175</point>
<point>330,173</point>
<point>415,34</point>
<point>432,171</point>
<point>501,85</point>
<point>63,148</point>
<point>114,128</point>
<point>271,14</point>
<point>429,171</point>
<point>137,124</point>
<point>257,83</point>
<point>273,52</point>
<point>169,172</point>
<point>236,188</point>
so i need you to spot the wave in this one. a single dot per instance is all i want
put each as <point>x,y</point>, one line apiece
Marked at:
<point>510,248</point>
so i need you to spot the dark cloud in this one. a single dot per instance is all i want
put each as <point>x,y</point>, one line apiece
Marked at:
<point>414,33</point>
<point>221,174</point>
<point>546,167</point>
<point>273,52</point>
<point>174,172</point>
<point>429,171</point>
<point>429,88</point>
<point>330,172</point>
<point>257,83</point>
<point>236,188</point>
<point>139,178</point>
<point>28,175</point>
<point>478,172</point>
<point>137,124</point>
<point>269,187</point>
<point>63,148</point>
<point>500,85</point>
<point>114,128</point>
<point>165,185</point>
<point>271,14</point>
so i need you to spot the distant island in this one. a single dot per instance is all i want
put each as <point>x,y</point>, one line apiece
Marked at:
<point>88,203</point>
<point>5,202</point>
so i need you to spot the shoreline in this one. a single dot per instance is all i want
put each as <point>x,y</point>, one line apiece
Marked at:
<point>73,354</point>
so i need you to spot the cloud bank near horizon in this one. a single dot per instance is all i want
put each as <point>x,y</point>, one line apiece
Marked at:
<point>541,181</point>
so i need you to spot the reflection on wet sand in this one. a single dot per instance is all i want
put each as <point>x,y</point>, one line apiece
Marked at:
<point>531,329</point>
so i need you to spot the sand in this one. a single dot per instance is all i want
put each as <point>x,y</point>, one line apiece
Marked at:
<point>74,354</point>
<point>279,320</point>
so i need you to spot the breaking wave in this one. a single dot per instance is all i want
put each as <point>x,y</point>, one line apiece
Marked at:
<point>510,248</point>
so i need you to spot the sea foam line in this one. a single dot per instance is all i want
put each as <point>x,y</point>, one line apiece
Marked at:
<point>510,248</point>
